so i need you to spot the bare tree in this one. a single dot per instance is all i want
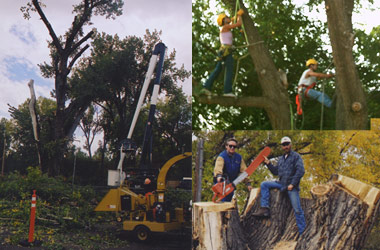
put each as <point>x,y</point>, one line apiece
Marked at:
<point>64,52</point>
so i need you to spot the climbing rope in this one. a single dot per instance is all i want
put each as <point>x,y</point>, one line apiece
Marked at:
<point>322,105</point>
<point>237,7</point>
<point>323,97</point>
<point>291,115</point>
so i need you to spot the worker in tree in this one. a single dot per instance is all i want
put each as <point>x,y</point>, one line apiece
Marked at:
<point>224,54</point>
<point>230,164</point>
<point>308,81</point>
<point>290,170</point>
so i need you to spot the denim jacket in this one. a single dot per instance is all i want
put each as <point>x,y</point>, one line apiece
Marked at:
<point>289,170</point>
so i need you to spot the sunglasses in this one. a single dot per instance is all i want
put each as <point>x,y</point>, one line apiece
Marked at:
<point>232,146</point>
<point>285,143</point>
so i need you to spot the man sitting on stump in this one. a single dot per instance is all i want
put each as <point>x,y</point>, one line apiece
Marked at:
<point>290,170</point>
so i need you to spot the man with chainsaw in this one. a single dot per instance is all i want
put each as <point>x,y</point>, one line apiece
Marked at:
<point>224,54</point>
<point>229,165</point>
<point>290,170</point>
<point>309,79</point>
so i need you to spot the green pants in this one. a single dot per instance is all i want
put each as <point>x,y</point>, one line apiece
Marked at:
<point>228,62</point>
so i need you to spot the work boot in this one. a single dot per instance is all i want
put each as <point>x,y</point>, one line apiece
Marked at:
<point>229,95</point>
<point>263,212</point>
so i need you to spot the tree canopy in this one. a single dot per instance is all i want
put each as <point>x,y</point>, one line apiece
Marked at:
<point>291,36</point>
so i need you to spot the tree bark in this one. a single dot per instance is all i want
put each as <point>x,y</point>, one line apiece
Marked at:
<point>340,215</point>
<point>66,119</point>
<point>275,96</point>
<point>216,226</point>
<point>36,128</point>
<point>351,108</point>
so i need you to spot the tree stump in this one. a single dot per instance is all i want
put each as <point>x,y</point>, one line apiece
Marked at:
<point>216,226</point>
<point>340,215</point>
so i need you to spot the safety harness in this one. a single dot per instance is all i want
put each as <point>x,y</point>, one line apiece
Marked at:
<point>224,51</point>
<point>299,96</point>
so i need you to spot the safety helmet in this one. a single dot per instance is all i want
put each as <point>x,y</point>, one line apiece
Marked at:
<point>147,181</point>
<point>220,19</point>
<point>285,139</point>
<point>311,61</point>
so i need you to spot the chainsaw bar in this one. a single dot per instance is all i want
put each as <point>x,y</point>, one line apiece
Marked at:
<point>221,190</point>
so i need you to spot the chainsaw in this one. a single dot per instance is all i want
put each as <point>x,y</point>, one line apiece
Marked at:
<point>222,189</point>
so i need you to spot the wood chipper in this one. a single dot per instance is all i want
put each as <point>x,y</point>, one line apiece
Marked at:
<point>142,211</point>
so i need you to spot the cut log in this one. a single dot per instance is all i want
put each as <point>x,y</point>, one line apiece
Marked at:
<point>340,215</point>
<point>216,226</point>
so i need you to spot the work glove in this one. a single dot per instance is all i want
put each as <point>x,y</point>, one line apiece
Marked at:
<point>240,12</point>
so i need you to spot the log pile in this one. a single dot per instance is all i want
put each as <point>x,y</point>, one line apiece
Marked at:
<point>339,215</point>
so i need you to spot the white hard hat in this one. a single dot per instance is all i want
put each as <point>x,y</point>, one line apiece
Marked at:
<point>285,139</point>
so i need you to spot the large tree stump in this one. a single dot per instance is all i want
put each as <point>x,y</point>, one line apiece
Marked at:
<point>216,226</point>
<point>339,216</point>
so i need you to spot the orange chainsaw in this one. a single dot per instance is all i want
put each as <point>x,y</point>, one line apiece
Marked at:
<point>222,189</point>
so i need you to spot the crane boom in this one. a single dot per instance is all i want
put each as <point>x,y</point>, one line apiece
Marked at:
<point>128,145</point>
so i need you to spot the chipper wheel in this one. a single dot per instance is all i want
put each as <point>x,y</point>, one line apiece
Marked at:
<point>142,233</point>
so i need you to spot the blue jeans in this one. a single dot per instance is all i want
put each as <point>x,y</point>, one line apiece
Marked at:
<point>229,197</point>
<point>319,96</point>
<point>228,62</point>
<point>294,200</point>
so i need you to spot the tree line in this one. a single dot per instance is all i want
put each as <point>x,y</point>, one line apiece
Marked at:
<point>97,93</point>
<point>283,36</point>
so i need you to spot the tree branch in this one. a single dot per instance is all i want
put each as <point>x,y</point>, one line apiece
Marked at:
<point>347,143</point>
<point>77,56</point>
<point>79,43</point>
<point>48,25</point>
<point>77,25</point>
<point>245,101</point>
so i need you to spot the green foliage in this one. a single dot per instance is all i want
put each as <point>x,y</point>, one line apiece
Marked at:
<point>290,45</point>
<point>354,154</point>
<point>114,75</point>
<point>291,38</point>
<point>178,197</point>
<point>109,9</point>
<point>63,215</point>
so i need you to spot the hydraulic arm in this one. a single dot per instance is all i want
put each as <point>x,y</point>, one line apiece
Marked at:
<point>128,145</point>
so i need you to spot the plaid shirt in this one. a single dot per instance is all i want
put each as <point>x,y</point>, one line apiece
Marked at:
<point>290,169</point>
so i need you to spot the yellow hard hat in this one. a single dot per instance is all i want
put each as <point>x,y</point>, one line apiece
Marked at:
<point>311,61</point>
<point>220,19</point>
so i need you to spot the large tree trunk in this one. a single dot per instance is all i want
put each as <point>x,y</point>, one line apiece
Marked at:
<point>340,215</point>
<point>278,111</point>
<point>275,98</point>
<point>351,108</point>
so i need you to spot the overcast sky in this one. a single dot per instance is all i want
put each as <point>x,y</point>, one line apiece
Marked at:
<point>23,42</point>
